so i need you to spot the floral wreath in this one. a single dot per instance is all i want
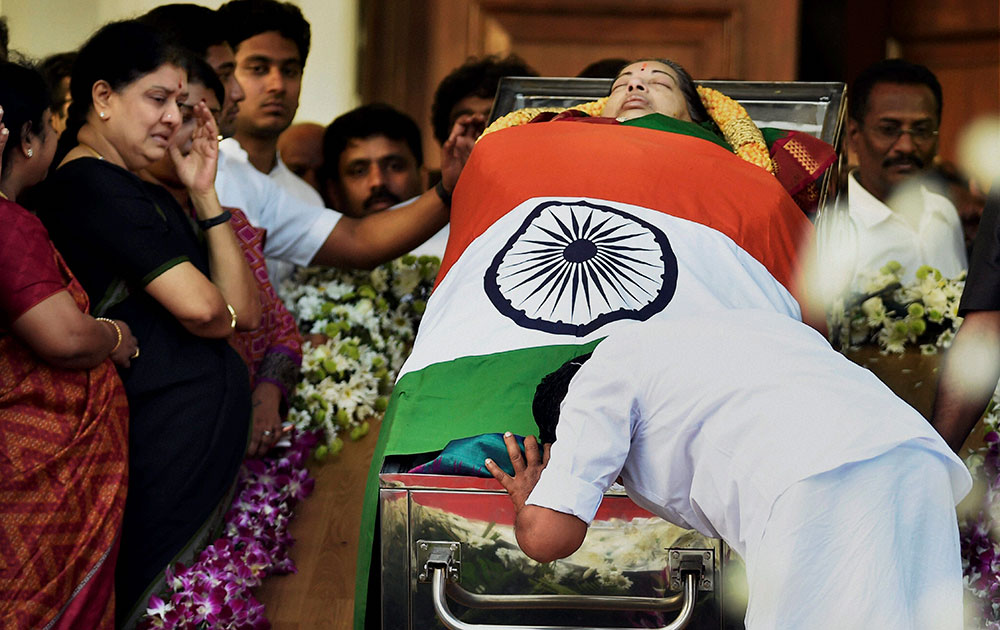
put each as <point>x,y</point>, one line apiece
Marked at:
<point>732,119</point>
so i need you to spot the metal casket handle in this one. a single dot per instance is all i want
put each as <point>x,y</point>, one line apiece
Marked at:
<point>440,587</point>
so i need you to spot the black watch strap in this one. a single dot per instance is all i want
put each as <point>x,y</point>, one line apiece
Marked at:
<point>204,224</point>
<point>443,194</point>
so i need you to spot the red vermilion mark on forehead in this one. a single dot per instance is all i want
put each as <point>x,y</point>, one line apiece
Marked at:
<point>643,67</point>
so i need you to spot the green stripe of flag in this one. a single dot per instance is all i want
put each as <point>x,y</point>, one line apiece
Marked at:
<point>450,400</point>
<point>469,396</point>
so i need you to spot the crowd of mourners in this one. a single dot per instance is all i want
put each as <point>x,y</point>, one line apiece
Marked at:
<point>144,351</point>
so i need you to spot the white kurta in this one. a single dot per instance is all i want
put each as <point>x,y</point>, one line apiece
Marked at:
<point>296,229</point>
<point>709,420</point>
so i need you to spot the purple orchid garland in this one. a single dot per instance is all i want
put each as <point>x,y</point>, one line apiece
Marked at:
<point>980,540</point>
<point>216,591</point>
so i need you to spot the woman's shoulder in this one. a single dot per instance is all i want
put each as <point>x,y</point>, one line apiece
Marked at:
<point>100,189</point>
<point>27,260</point>
<point>88,173</point>
<point>19,224</point>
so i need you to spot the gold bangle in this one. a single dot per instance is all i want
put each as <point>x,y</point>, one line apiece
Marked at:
<point>118,331</point>
<point>232,312</point>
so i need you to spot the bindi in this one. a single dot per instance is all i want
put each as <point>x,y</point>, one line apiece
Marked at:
<point>643,67</point>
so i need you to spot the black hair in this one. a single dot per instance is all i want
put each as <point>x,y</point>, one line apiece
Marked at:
<point>890,71</point>
<point>377,119</point>
<point>549,396</point>
<point>4,39</point>
<point>202,73</point>
<point>243,19</point>
<point>119,53</point>
<point>24,95</point>
<point>56,68</point>
<point>696,109</point>
<point>604,68</point>
<point>476,77</point>
<point>190,26</point>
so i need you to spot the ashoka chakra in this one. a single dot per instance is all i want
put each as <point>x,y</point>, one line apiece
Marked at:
<point>573,267</point>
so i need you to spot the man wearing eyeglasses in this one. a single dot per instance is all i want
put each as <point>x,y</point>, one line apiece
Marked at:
<point>895,112</point>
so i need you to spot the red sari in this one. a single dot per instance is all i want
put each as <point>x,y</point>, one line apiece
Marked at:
<point>63,454</point>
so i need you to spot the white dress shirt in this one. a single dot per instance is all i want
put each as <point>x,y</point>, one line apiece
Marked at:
<point>710,419</point>
<point>296,228</point>
<point>930,234</point>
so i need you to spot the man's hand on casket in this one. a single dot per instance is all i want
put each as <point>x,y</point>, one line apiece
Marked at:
<point>543,534</point>
<point>458,146</point>
<point>527,469</point>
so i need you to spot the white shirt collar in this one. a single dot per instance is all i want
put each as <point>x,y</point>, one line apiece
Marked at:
<point>865,207</point>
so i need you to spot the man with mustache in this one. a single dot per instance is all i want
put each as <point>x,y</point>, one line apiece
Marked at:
<point>895,112</point>
<point>373,159</point>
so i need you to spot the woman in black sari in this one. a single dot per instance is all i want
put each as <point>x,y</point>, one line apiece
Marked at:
<point>183,285</point>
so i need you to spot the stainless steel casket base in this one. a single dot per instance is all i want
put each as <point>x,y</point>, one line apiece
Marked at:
<point>448,552</point>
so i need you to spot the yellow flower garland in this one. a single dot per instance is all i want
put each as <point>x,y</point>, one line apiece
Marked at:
<point>526,115</point>
<point>739,130</point>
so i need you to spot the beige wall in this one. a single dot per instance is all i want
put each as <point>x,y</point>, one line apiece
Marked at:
<point>42,27</point>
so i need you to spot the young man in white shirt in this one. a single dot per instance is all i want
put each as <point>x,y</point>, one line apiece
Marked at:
<point>271,42</point>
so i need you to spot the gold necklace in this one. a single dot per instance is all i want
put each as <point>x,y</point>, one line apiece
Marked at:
<point>4,196</point>
<point>91,149</point>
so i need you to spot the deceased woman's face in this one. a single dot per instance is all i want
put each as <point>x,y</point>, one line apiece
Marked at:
<point>145,115</point>
<point>646,87</point>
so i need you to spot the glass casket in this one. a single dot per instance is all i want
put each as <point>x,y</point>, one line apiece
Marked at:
<point>446,545</point>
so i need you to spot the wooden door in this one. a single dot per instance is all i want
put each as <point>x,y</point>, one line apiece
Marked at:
<point>412,44</point>
<point>959,40</point>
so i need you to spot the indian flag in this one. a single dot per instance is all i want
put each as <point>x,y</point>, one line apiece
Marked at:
<point>562,232</point>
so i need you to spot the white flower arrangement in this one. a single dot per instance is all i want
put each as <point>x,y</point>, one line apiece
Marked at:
<point>893,316</point>
<point>358,327</point>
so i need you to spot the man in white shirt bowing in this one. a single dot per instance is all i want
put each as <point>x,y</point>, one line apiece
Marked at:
<point>745,425</point>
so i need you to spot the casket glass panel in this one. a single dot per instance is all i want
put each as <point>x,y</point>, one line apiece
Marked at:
<point>816,108</point>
